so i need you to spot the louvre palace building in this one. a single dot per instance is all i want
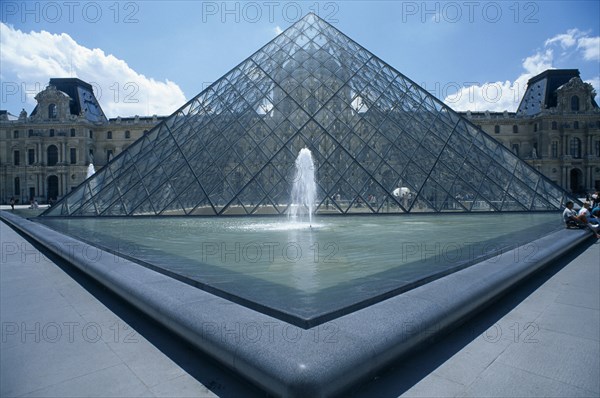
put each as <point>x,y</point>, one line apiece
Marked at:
<point>46,154</point>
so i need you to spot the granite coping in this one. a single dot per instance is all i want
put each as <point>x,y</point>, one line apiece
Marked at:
<point>288,360</point>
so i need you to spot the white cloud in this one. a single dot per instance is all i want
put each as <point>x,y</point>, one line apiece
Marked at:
<point>500,96</point>
<point>590,47</point>
<point>35,57</point>
<point>278,30</point>
<point>565,40</point>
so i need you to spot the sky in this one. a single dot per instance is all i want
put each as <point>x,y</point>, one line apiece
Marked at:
<point>150,57</point>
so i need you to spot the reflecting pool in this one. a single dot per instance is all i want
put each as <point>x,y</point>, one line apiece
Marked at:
<point>310,274</point>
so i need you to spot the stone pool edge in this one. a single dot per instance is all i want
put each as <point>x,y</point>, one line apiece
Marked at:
<point>291,361</point>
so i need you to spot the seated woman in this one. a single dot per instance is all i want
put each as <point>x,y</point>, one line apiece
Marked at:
<point>585,214</point>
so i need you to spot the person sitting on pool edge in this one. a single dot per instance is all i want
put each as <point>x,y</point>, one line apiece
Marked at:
<point>585,214</point>
<point>571,219</point>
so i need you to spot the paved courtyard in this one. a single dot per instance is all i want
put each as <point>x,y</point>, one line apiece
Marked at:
<point>65,335</point>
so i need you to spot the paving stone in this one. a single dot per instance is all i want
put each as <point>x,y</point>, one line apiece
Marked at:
<point>501,380</point>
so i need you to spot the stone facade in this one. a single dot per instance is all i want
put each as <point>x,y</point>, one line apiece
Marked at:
<point>46,154</point>
<point>562,142</point>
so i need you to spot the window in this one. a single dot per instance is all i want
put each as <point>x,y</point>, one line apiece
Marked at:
<point>515,129</point>
<point>109,155</point>
<point>51,132</point>
<point>127,134</point>
<point>554,149</point>
<point>574,103</point>
<point>91,134</point>
<point>535,127</point>
<point>554,126</point>
<point>17,186</point>
<point>16,158</point>
<point>52,113</point>
<point>52,155</point>
<point>497,129</point>
<point>515,149</point>
<point>16,134</point>
<point>73,155</point>
<point>30,133</point>
<point>598,124</point>
<point>31,156</point>
<point>109,135</point>
<point>576,147</point>
<point>597,148</point>
<point>576,125</point>
<point>72,132</point>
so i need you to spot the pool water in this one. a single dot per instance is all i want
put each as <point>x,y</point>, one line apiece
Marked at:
<point>308,274</point>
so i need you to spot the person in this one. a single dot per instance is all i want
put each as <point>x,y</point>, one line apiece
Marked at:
<point>595,212</point>
<point>585,215</point>
<point>571,219</point>
<point>570,216</point>
<point>596,199</point>
<point>12,203</point>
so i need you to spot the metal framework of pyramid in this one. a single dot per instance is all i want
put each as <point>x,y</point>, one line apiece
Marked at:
<point>380,143</point>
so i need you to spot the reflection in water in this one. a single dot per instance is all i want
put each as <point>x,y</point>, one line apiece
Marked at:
<point>336,250</point>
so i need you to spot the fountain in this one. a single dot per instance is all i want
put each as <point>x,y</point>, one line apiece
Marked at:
<point>90,170</point>
<point>304,190</point>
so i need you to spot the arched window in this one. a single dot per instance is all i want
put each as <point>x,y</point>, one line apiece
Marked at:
<point>575,147</point>
<point>497,129</point>
<point>554,126</point>
<point>52,112</point>
<point>127,134</point>
<point>574,103</point>
<point>515,129</point>
<point>52,155</point>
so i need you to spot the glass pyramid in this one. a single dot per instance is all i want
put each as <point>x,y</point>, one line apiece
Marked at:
<point>380,143</point>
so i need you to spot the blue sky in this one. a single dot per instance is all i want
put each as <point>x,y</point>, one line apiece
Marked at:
<point>146,57</point>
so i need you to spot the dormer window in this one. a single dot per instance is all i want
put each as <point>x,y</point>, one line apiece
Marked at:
<point>574,103</point>
<point>52,111</point>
